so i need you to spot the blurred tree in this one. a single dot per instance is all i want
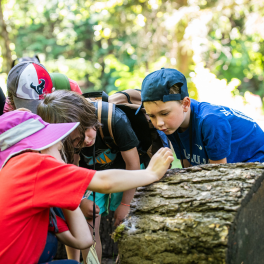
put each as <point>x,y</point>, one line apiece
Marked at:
<point>5,43</point>
<point>235,42</point>
<point>112,45</point>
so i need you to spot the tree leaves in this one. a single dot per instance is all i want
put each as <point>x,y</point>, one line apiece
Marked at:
<point>121,41</point>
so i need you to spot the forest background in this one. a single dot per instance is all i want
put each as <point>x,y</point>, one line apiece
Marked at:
<point>112,45</point>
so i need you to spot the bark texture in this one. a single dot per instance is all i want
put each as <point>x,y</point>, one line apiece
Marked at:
<point>203,214</point>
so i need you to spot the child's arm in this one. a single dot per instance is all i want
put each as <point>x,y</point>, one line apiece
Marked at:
<point>132,161</point>
<point>218,161</point>
<point>76,159</point>
<point>110,181</point>
<point>185,163</point>
<point>79,235</point>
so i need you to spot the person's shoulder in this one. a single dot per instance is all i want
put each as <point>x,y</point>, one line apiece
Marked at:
<point>27,156</point>
<point>204,110</point>
<point>120,118</point>
<point>24,161</point>
<point>201,106</point>
<point>44,161</point>
<point>119,113</point>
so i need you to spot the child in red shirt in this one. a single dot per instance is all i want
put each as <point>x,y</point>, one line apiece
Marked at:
<point>31,169</point>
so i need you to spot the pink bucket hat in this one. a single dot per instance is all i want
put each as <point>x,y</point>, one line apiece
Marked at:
<point>21,130</point>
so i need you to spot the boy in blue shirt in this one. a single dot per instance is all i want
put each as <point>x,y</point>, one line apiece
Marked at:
<point>200,132</point>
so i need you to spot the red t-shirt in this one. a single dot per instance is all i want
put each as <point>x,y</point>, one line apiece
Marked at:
<point>31,183</point>
<point>61,224</point>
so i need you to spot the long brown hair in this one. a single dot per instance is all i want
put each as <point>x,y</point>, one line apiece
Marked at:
<point>66,107</point>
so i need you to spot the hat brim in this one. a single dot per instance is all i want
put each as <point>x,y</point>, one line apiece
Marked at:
<point>31,105</point>
<point>139,108</point>
<point>40,140</point>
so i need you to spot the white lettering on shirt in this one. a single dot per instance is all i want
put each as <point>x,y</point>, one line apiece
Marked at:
<point>225,112</point>
<point>200,147</point>
<point>236,113</point>
<point>241,115</point>
<point>195,158</point>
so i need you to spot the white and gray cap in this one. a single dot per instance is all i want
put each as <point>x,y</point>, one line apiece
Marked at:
<point>29,82</point>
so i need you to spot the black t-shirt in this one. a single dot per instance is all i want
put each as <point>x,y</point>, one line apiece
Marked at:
<point>105,158</point>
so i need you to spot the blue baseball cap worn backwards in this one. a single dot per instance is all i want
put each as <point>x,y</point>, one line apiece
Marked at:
<point>156,86</point>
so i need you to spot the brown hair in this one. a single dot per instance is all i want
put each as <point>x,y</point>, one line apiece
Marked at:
<point>175,89</point>
<point>66,107</point>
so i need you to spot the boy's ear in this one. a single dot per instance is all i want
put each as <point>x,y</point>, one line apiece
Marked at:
<point>186,103</point>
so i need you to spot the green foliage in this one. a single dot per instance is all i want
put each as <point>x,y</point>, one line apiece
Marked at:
<point>237,45</point>
<point>112,45</point>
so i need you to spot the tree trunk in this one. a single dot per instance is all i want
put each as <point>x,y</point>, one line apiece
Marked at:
<point>203,214</point>
<point>184,53</point>
<point>7,52</point>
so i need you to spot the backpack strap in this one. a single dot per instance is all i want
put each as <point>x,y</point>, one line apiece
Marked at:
<point>190,141</point>
<point>97,94</point>
<point>105,113</point>
<point>127,96</point>
<point>104,97</point>
<point>93,226</point>
<point>53,220</point>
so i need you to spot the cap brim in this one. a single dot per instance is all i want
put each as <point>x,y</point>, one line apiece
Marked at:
<point>42,139</point>
<point>31,105</point>
<point>139,108</point>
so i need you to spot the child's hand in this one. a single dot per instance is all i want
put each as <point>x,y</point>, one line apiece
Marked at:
<point>87,208</point>
<point>120,213</point>
<point>160,162</point>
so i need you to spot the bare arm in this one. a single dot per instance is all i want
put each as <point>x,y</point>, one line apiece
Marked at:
<point>185,163</point>
<point>76,159</point>
<point>218,161</point>
<point>109,181</point>
<point>132,161</point>
<point>79,235</point>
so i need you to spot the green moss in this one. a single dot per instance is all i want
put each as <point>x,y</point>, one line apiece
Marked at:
<point>118,232</point>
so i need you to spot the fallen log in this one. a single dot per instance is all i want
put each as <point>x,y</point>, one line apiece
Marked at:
<point>203,214</point>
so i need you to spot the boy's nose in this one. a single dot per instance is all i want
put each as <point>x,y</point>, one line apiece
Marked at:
<point>160,122</point>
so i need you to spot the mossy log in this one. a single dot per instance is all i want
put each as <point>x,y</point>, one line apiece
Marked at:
<point>203,214</point>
